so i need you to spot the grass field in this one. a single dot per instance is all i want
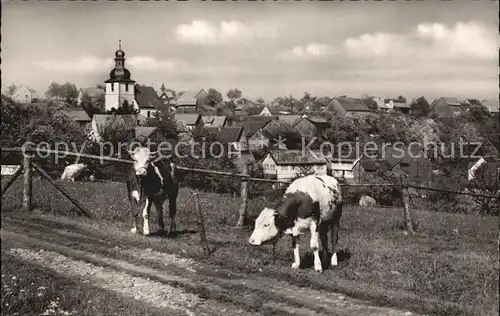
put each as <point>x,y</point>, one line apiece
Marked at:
<point>449,268</point>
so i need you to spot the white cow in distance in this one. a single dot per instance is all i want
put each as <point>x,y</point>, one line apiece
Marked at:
<point>73,171</point>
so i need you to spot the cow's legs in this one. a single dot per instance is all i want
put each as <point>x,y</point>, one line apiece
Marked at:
<point>323,236</point>
<point>334,231</point>
<point>134,205</point>
<point>172,209</point>
<point>315,246</point>
<point>159,211</point>
<point>145,217</point>
<point>296,253</point>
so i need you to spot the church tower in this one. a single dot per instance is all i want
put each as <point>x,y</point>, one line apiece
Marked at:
<point>119,86</point>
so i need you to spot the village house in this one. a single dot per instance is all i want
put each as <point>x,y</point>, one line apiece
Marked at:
<point>23,94</point>
<point>447,107</point>
<point>191,121</point>
<point>346,166</point>
<point>256,141</point>
<point>285,165</point>
<point>346,106</point>
<point>148,101</point>
<point>491,105</point>
<point>191,100</point>
<point>145,134</point>
<point>78,115</point>
<point>310,126</point>
<point>233,136</point>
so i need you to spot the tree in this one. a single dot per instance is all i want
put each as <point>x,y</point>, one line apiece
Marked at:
<point>370,102</point>
<point>93,106</point>
<point>162,88</point>
<point>66,92</point>
<point>125,109</point>
<point>260,101</point>
<point>420,107</point>
<point>233,95</point>
<point>401,99</point>
<point>11,89</point>
<point>214,97</point>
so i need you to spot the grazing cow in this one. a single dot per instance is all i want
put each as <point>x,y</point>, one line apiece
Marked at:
<point>152,177</point>
<point>73,172</point>
<point>313,203</point>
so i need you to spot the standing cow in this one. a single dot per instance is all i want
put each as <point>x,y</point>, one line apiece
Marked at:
<point>313,203</point>
<point>154,178</point>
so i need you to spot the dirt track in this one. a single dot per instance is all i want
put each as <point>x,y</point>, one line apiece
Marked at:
<point>181,285</point>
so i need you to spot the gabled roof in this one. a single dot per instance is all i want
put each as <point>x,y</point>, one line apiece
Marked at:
<point>472,102</point>
<point>147,97</point>
<point>350,104</point>
<point>297,157</point>
<point>255,110</point>
<point>251,127</point>
<point>229,134</point>
<point>274,128</point>
<point>188,119</point>
<point>78,115</point>
<point>290,119</point>
<point>211,130</point>
<point>259,118</point>
<point>317,119</point>
<point>491,104</point>
<point>144,132</point>
<point>451,101</point>
<point>208,119</point>
<point>219,120</point>
<point>188,97</point>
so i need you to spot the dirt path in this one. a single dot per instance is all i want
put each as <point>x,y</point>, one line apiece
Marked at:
<point>183,284</point>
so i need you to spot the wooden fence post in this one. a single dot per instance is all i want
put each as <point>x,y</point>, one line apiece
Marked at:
<point>201,225</point>
<point>12,179</point>
<point>406,209</point>
<point>28,182</point>
<point>244,199</point>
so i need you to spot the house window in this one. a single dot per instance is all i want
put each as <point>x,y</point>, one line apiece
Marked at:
<point>112,86</point>
<point>149,113</point>
<point>126,88</point>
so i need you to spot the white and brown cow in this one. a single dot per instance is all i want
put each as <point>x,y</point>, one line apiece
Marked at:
<point>313,203</point>
<point>152,177</point>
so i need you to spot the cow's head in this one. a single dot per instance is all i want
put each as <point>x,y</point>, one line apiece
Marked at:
<point>142,157</point>
<point>267,228</point>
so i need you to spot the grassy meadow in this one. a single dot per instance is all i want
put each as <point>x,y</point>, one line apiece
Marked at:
<point>450,267</point>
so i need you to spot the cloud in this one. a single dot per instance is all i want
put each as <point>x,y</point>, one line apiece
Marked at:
<point>82,64</point>
<point>93,64</point>
<point>465,40</point>
<point>306,52</point>
<point>150,63</point>
<point>374,45</point>
<point>206,33</point>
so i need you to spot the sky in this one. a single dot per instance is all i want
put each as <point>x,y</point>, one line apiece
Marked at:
<point>265,49</point>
